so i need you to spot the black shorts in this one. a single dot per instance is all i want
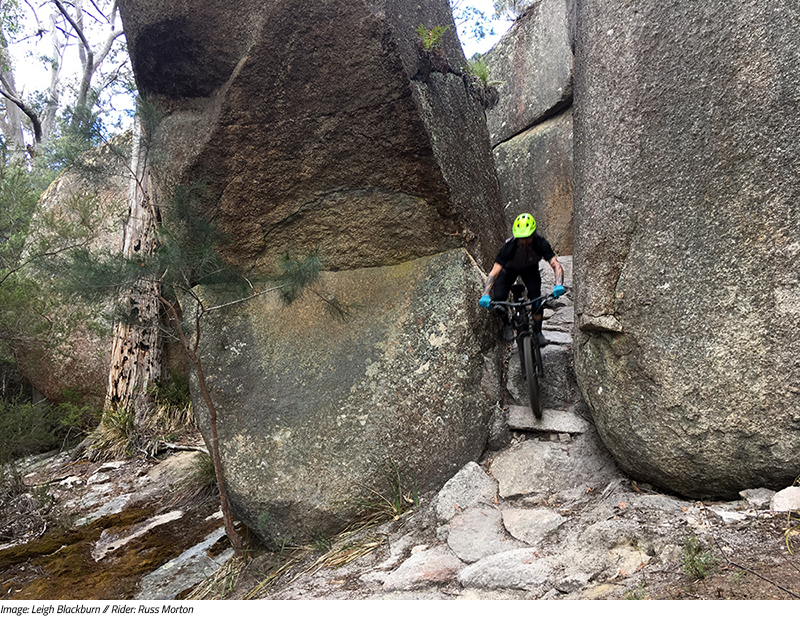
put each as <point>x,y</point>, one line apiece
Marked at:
<point>530,278</point>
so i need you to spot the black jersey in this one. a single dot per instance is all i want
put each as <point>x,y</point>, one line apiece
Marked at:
<point>515,256</point>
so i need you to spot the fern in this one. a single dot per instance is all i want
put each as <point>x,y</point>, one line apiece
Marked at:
<point>432,38</point>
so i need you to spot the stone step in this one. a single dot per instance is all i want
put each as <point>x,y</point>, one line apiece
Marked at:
<point>553,420</point>
<point>558,388</point>
<point>557,337</point>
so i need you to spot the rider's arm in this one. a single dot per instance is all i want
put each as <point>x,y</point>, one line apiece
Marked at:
<point>558,272</point>
<point>496,269</point>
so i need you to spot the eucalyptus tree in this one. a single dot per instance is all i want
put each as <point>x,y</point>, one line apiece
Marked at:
<point>44,36</point>
<point>470,20</point>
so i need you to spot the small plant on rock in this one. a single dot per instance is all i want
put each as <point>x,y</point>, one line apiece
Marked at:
<point>697,563</point>
<point>476,78</point>
<point>480,70</point>
<point>431,38</point>
<point>432,57</point>
<point>637,594</point>
<point>401,496</point>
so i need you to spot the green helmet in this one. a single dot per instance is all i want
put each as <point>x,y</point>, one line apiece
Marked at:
<point>524,226</point>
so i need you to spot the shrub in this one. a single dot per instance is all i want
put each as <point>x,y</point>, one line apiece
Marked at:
<point>27,428</point>
<point>115,437</point>
<point>697,563</point>
<point>173,404</point>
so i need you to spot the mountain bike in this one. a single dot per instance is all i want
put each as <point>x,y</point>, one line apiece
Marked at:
<point>520,311</point>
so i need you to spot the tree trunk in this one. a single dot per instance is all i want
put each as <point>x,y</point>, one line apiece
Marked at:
<point>137,357</point>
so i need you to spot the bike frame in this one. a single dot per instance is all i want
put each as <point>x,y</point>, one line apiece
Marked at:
<point>527,342</point>
<point>521,311</point>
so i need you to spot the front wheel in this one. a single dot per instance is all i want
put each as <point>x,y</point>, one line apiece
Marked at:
<point>530,376</point>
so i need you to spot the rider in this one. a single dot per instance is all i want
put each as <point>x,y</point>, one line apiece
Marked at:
<point>520,256</point>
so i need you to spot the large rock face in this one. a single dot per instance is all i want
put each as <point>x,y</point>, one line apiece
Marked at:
<point>534,63</point>
<point>687,261</point>
<point>316,128</point>
<point>535,173</point>
<point>531,127</point>
<point>309,131</point>
<point>316,411</point>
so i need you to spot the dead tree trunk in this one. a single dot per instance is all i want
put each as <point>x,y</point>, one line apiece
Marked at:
<point>137,357</point>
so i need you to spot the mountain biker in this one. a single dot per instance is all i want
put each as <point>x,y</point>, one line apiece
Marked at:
<point>520,256</point>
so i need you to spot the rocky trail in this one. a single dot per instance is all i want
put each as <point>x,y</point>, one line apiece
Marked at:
<point>546,514</point>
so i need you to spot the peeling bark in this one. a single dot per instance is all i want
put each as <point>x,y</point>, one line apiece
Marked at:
<point>137,356</point>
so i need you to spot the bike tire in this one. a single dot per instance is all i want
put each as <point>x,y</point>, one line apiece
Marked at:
<point>537,358</point>
<point>530,375</point>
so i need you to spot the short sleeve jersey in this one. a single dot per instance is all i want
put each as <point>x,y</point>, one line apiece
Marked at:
<point>515,256</point>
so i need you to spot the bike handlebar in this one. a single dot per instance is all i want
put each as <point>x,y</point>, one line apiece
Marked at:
<point>540,301</point>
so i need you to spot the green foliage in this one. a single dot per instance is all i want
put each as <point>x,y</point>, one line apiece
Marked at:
<point>17,203</point>
<point>118,436</point>
<point>75,415</point>
<point>430,39</point>
<point>190,242</point>
<point>31,314</point>
<point>479,84</point>
<point>77,131</point>
<point>737,577</point>
<point>12,19</point>
<point>173,411</point>
<point>295,275</point>
<point>172,392</point>
<point>480,70</point>
<point>115,437</point>
<point>27,428</point>
<point>697,563</point>
<point>186,256</point>
<point>637,594</point>
<point>23,315</point>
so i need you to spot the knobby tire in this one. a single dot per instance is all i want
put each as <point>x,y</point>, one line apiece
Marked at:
<point>531,371</point>
<point>537,358</point>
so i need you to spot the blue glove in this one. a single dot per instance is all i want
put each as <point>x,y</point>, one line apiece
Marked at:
<point>558,291</point>
<point>485,301</point>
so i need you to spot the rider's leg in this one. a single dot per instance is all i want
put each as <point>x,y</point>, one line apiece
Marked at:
<point>500,290</point>
<point>533,283</point>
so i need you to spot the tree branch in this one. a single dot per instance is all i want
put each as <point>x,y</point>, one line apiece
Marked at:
<point>244,299</point>
<point>27,111</point>
<point>212,419</point>
<point>88,65</point>
<point>62,9</point>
